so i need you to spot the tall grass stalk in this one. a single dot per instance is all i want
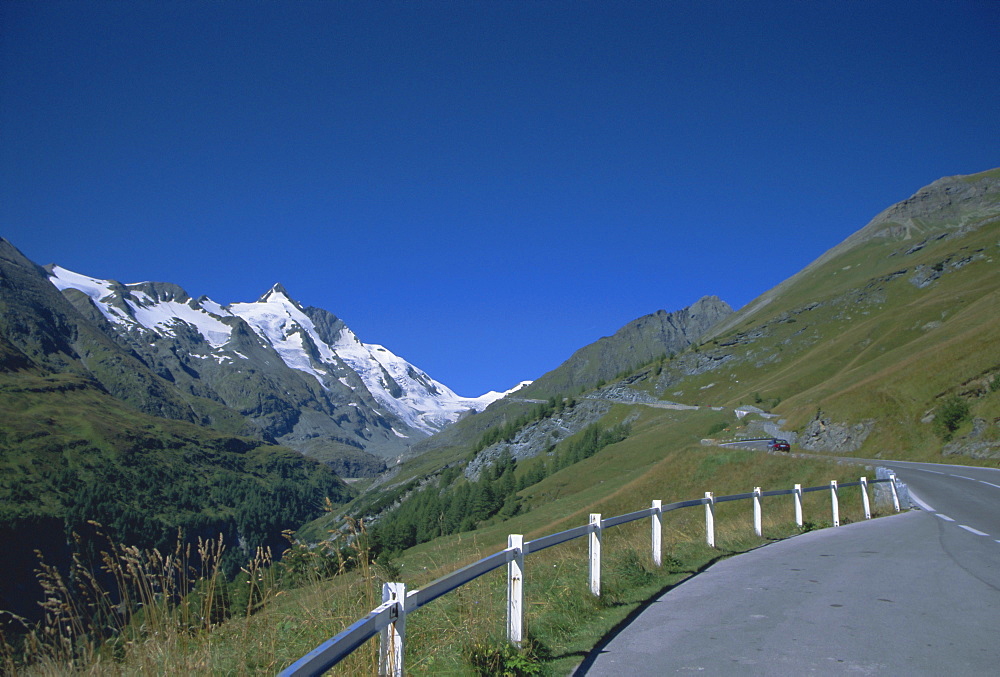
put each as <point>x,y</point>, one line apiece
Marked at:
<point>137,598</point>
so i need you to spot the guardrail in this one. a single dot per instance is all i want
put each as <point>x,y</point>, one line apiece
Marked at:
<point>389,619</point>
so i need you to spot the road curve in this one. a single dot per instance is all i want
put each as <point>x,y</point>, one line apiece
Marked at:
<point>916,594</point>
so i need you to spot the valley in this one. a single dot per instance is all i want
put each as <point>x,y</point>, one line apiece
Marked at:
<point>886,348</point>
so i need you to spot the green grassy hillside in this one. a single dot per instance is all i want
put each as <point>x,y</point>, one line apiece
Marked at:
<point>887,346</point>
<point>881,334</point>
<point>71,455</point>
<point>465,629</point>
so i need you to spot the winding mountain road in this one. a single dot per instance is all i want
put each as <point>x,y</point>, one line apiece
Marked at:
<point>915,594</point>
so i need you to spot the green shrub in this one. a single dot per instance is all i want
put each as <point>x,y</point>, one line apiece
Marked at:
<point>717,427</point>
<point>499,657</point>
<point>950,415</point>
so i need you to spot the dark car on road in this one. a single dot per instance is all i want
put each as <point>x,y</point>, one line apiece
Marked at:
<point>778,445</point>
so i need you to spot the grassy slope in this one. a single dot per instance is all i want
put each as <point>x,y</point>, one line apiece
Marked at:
<point>84,426</point>
<point>653,463</point>
<point>70,453</point>
<point>658,461</point>
<point>848,338</point>
<point>852,337</point>
<point>890,356</point>
<point>872,348</point>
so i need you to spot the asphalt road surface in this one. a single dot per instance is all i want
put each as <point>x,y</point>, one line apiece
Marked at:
<point>912,594</point>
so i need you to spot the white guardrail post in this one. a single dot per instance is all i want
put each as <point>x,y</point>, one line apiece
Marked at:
<point>710,519</point>
<point>390,656</point>
<point>798,505</point>
<point>515,591</point>
<point>835,503</point>
<point>895,496</point>
<point>595,554</point>
<point>758,529</point>
<point>864,498</point>
<point>657,527</point>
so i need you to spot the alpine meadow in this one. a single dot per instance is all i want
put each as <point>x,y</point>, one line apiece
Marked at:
<point>218,488</point>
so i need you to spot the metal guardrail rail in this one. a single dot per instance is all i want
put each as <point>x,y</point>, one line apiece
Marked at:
<point>389,618</point>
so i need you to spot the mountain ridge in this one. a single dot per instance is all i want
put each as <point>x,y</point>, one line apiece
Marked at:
<point>958,202</point>
<point>642,340</point>
<point>651,338</point>
<point>841,352</point>
<point>298,373</point>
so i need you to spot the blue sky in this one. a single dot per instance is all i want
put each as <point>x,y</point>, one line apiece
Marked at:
<point>482,187</point>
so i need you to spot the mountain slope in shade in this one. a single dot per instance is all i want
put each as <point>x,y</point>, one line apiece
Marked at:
<point>642,341</point>
<point>41,324</point>
<point>299,373</point>
<point>90,434</point>
<point>638,342</point>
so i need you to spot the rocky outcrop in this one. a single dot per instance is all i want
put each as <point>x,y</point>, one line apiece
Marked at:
<point>982,442</point>
<point>923,275</point>
<point>622,394</point>
<point>540,436</point>
<point>953,202</point>
<point>821,434</point>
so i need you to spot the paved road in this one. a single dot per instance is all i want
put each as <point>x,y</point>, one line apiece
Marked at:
<point>760,444</point>
<point>969,495</point>
<point>913,594</point>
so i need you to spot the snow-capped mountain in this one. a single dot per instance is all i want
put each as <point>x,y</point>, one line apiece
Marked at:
<point>297,372</point>
<point>419,400</point>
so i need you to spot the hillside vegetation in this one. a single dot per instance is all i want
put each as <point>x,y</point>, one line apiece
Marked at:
<point>141,478</point>
<point>887,346</point>
<point>878,336</point>
<point>93,439</point>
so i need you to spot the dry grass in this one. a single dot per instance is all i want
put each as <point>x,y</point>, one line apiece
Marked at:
<point>167,617</point>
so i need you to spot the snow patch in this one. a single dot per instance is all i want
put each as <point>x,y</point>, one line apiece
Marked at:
<point>160,317</point>
<point>96,289</point>
<point>278,320</point>
<point>163,316</point>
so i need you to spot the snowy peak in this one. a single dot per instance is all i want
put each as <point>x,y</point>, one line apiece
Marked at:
<point>317,342</point>
<point>493,395</point>
<point>310,340</point>
<point>281,322</point>
<point>93,287</point>
<point>277,294</point>
<point>323,347</point>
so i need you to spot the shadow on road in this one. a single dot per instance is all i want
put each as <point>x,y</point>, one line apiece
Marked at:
<point>592,655</point>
